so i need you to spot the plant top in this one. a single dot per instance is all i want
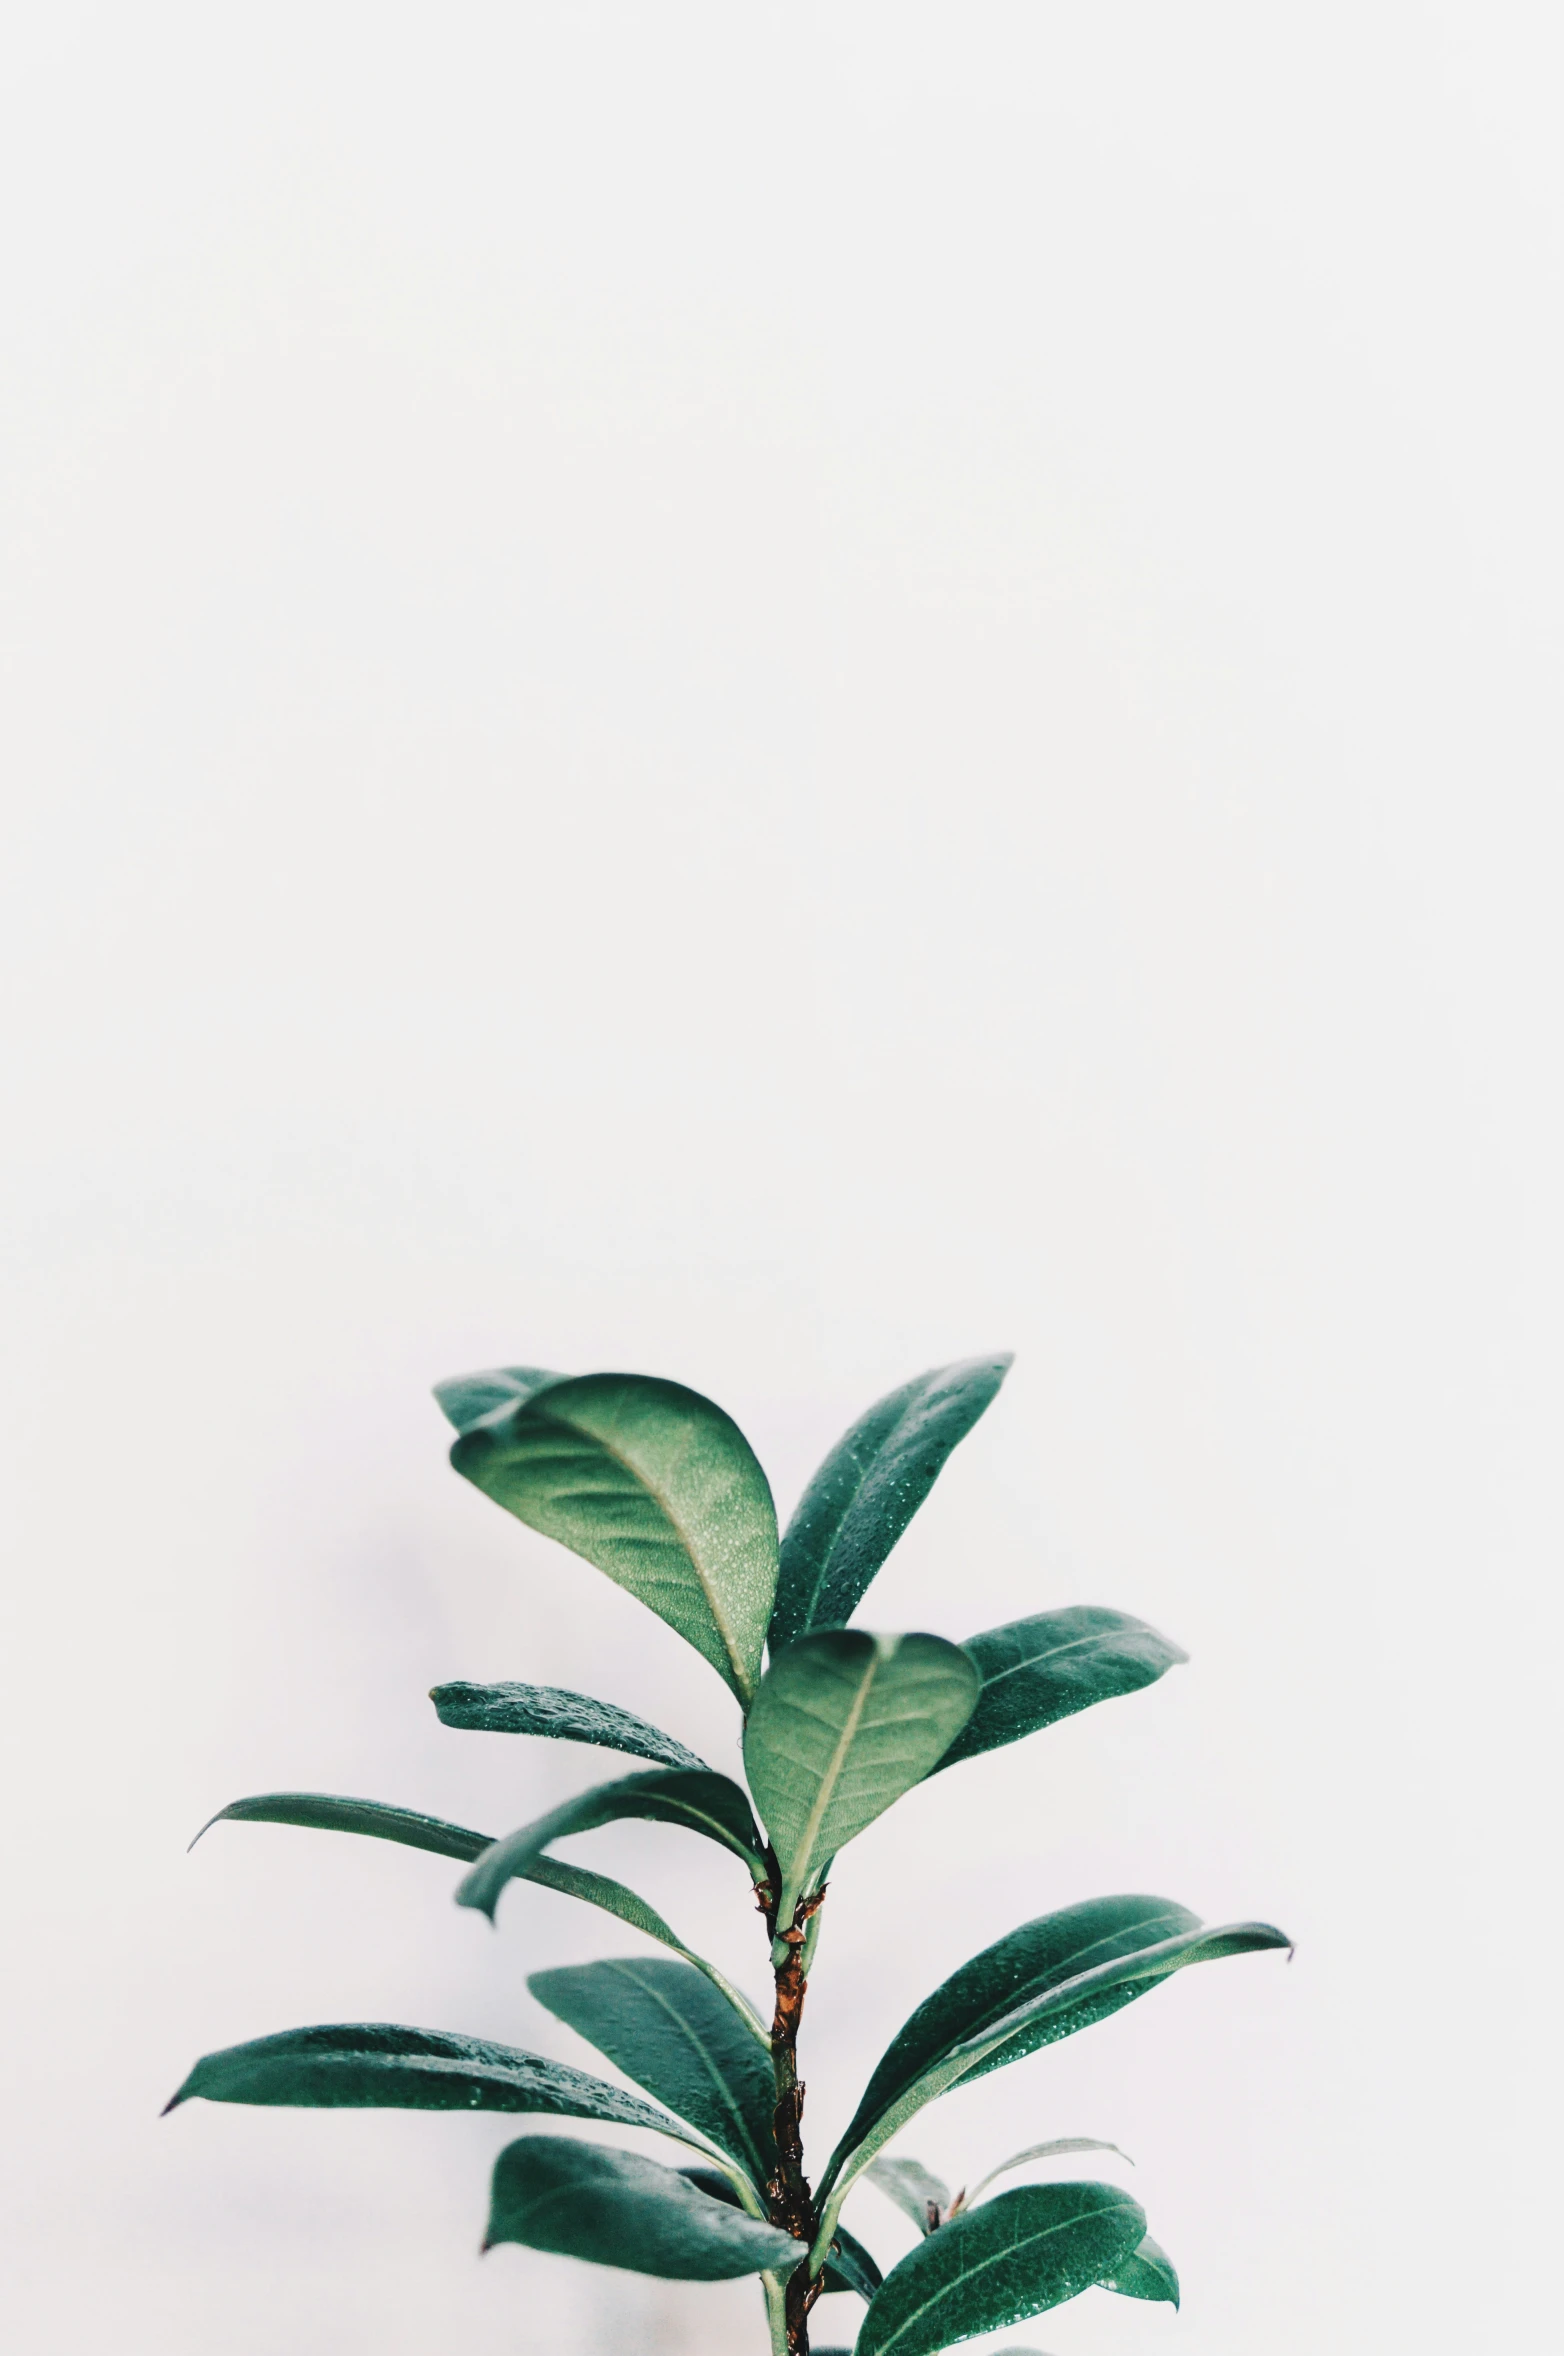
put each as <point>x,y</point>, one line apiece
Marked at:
<point>659,1488</point>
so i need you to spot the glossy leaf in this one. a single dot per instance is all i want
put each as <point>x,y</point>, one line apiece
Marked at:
<point>1018,2255</point>
<point>563,1716</point>
<point>1052,1953</point>
<point>670,2031</point>
<point>598,1889</point>
<point>1054,2150</point>
<point>379,2065</point>
<point>657,1487</point>
<point>1039,1670</point>
<point>913,2188</point>
<point>842,1725</point>
<point>322,1812</point>
<point>467,1398</point>
<point>703,1801</point>
<point>325,1812</point>
<point>1043,1982</point>
<point>850,2266</point>
<point>615,2208</point>
<point>1147,2273</point>
<point>867,1491</point>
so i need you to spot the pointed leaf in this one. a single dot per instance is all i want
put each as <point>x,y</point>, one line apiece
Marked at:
<point>840,1729</point>
<point>566,1717</point>
<point>666,2028</point>
<point>657,1487</point>
<point>465,1399</point>
<point>619,2210</point>
<point>1043,1982</point>
<point>379,2065</point>
<point>703,1801</point>
<point>850,2266</point>
<point>1018,2255</point>
<point>597,1889</point>
<point>1147,2273</point>
<point>869,1488</point>
<point>322,1812</point>
<point>1048,1953</point>
<point>1045,1668</point>
<point>1034,2151</point>
<point>912,2187</point>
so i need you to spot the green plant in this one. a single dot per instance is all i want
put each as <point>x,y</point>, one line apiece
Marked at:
<point>660,1489</point>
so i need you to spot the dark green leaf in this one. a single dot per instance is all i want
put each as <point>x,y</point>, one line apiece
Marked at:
<point>657,1487</point>
<point>1016,2256</point>
<point>669,2030</point>
<point>575,1881</point>
<point>1045,1668</point>
<point>1043,1982</point>
<point>323,1812</point>
<point>840,1728</point>
<point>1034,2151</point>
<point>868,1490</point>
<point>619,2210</point>
<point>467,1398</point>
<point>378,2065</point>
<point>911,2186</point>
<point>703,1801</point>
<point>850,2266</point>
<point>565,1716</point>
<point>1147,2273</point>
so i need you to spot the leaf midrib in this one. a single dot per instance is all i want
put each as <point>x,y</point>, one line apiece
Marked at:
<point>829,1782</point>
<point>694,2038</point>
<point>1033,1660</point>
<point>971,2273</point>
<point>827,1559</point>
<point>745,1683</point>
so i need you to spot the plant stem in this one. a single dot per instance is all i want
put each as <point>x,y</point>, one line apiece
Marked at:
<point>792,2203</point>
<point>776,2311</point>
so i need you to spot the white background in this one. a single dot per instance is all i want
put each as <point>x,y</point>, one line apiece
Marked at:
<point>775,694</point>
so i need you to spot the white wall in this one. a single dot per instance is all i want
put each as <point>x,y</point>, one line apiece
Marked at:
<point>775,694</point>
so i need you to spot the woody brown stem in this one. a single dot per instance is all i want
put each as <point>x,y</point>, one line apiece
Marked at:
<point>791,2201</point>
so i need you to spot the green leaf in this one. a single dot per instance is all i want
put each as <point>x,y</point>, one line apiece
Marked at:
<point>1039,1670</point>
<point>843,1724</point>
<point>657,1487</point>
<point>1042,1982</point>
<point>670,2031</point>
<point>467,1398</point>
<point>325,1813</point>
<point>850,2266</point>
<point>1147,2273</point>
<point>597,1889</point>
<point>564,1716</point>
<point>1016,2256</point>
<point>378,2065</point>
<point>913,2189</point>
<point>868,1490</point>
<point>703,1801</point>
<point>1034,2151</point>
<point>619,2210</point>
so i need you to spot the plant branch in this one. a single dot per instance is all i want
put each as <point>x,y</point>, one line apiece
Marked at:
<point>792,2203</point>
